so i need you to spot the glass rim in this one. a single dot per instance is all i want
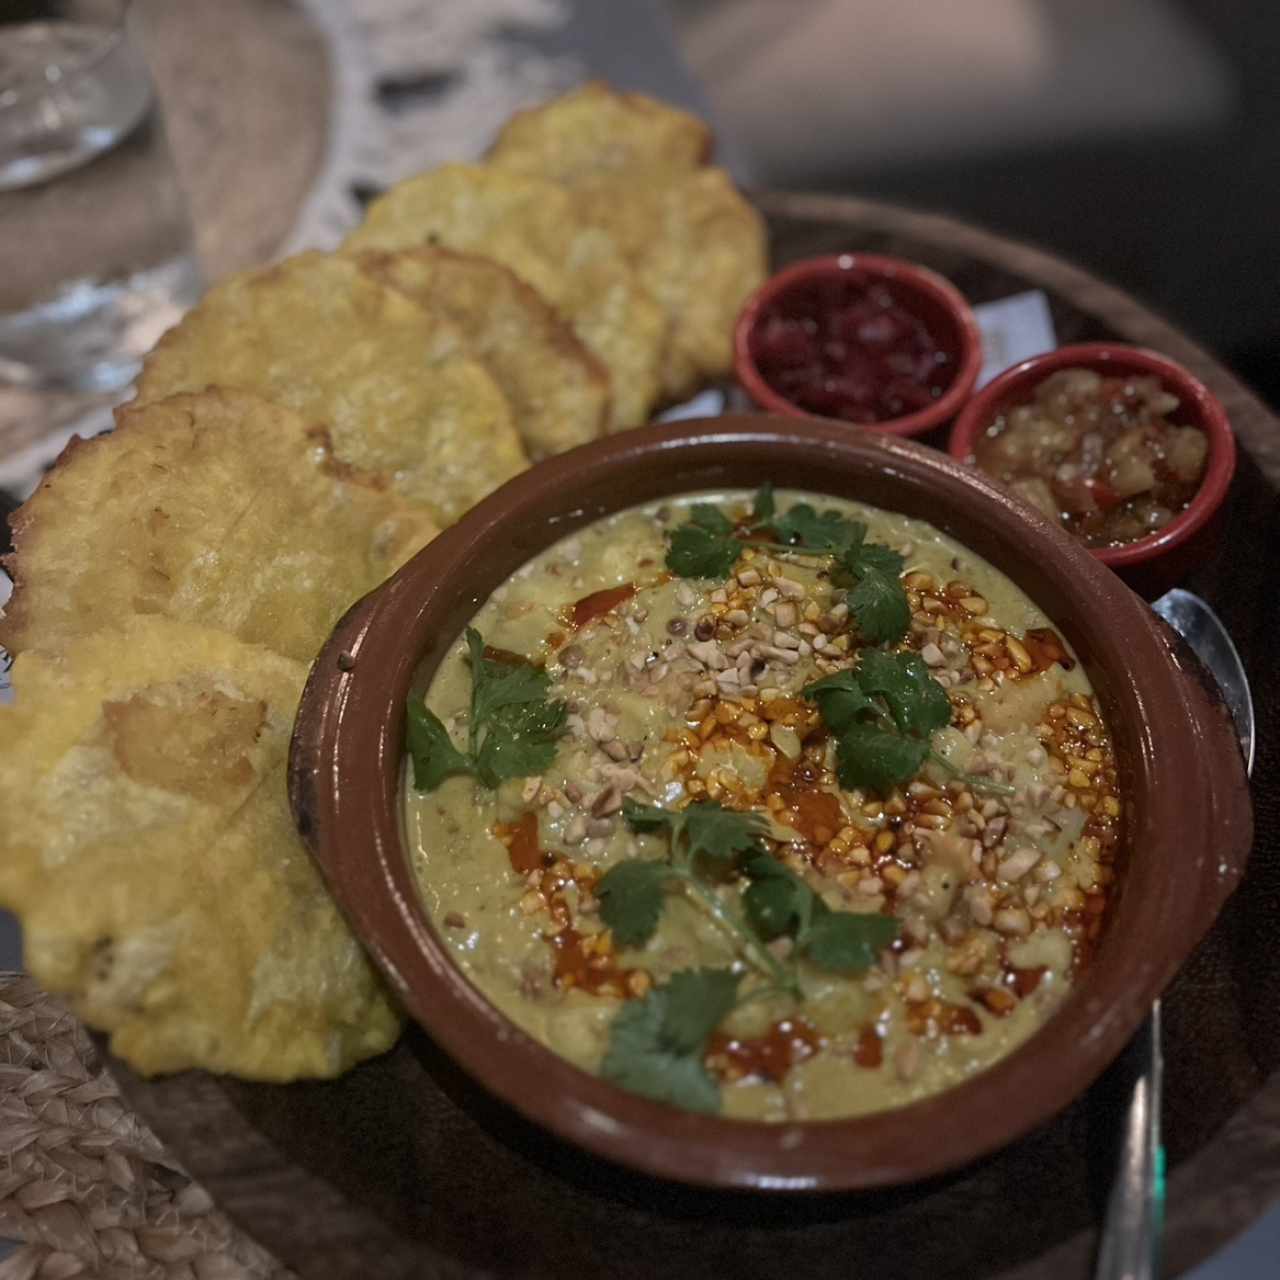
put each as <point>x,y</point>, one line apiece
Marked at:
<point>112,36</point>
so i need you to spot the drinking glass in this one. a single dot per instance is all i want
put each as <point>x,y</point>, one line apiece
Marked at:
<point>96,256</point>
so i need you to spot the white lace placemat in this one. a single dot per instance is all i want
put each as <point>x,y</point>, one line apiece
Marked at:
<point>414,83</point>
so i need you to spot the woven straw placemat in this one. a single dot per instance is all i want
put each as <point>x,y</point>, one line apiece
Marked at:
<point>82,1180</point>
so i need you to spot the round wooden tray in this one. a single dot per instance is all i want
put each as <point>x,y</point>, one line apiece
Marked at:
<point>403,1168</point>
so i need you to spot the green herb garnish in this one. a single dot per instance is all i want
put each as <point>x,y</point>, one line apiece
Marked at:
<point>801,528</point>
<point>867,756</point>
<point>656,1045</point>
<point>705,545</point>
<point>778,903</point>
<point>763,506</point>
<point>916,701</point>
<point>434,756</point>
<point>883,715</point>
<point>513,729</point>
<point>708,545</point>
<point>703,841</point>
<point>878,600</point>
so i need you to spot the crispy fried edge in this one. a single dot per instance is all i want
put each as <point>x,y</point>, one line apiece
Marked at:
<point>25,523</point>
<point>630,100</point>
<point>562,334</point>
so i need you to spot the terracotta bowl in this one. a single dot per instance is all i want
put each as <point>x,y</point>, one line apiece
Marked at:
<point>916,289</point>
<point>1199,407</point>
<point>1188,815</point>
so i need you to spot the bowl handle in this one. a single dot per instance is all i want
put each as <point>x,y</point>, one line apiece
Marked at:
<point>321,701</point>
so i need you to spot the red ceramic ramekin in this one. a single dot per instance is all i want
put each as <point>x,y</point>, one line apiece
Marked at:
<point>916,289</point>
<point>1199,408</point>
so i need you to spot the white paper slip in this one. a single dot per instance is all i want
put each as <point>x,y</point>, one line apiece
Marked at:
<point>706,404</point>
<point>1013,329</point>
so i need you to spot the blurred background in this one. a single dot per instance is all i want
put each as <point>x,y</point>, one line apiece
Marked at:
<point>1139,137</point>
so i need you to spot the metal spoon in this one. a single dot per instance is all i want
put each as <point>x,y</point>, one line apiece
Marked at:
<point>1130,1246</point>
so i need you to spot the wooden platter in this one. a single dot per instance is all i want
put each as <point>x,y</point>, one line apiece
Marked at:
<point>403,1168</point>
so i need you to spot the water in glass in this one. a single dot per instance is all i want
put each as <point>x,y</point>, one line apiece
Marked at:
<point>96,245</point>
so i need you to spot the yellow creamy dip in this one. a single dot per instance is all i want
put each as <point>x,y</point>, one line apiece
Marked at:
<point>998,897</point>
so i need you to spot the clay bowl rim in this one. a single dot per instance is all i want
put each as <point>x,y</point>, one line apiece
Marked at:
<point>1019,380</point>
<point>1188,799</point>
<point>917,278</point>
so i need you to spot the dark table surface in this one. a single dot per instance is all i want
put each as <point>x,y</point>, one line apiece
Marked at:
<point>632,45</point>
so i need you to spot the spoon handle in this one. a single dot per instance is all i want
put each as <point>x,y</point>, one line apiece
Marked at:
<point>1132,1229</point>
<point>1135,1209</point>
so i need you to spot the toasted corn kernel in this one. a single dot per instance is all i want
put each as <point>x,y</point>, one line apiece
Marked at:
<point>639,982</point>
<point>1018,652</point>
<point>933,821</point>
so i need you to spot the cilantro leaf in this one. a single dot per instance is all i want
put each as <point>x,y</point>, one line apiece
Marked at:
<point>829,531</point>
<point>878,600</point>
<point>777,901</point>
<point>875,555</point>
<point>847,942</point>
<point>764,507</point>
<point>513,731</point>
<point>513,727</point>
<point>640,1059</point>
<point>704,546</point>
<point>520,741</point>
<point>917,702</point>
<point>630,896</point>
<point>646,818</point>
<point>697,1001</point>
<point>434,756</point>
<point>497,685</point>
<point>706,829</point>
<point>880,606</point>
<point>656,1045</point>
<point>719,834</point>
<point>867,756</point>
<point>706,515</point>
<point>840,698</point>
